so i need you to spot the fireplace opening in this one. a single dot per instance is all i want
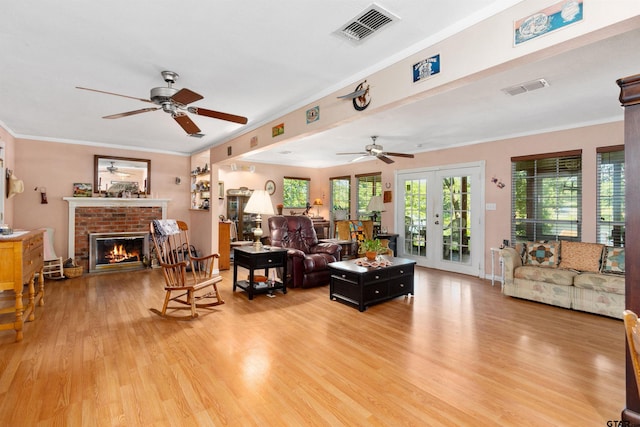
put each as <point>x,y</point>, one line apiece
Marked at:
<point>118,251</point>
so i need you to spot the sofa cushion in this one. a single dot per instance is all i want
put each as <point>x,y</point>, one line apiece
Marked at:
<point>613,260</point>
<point>611,283</point>
<point>547,275</point>
<point>581,256</point>
<point>543,254</point>
<point>521,249</point>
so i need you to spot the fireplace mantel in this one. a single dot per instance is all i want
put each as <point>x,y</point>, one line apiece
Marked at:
<point>107,202</point>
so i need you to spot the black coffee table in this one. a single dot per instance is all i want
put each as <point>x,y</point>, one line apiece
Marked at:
<point>363,286</point>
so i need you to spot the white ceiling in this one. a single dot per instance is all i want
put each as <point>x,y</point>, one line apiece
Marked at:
<point>262,59</point>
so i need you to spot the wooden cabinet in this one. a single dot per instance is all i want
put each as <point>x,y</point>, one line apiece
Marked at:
<point>224,245</point>
<point>237,199</point>
<point>21,257</point>
<point>363,286</point>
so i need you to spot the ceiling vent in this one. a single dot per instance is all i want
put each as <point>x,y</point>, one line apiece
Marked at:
<point>525,87</point>
<point>196,135</point>
<point>369,21</point>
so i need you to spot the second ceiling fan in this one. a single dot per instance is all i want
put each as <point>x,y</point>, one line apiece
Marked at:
<point>174,101</point>
<point>376,150</point>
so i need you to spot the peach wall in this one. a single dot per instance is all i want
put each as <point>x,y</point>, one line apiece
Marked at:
<point>496,154</point>
<point>9,163</point>
<point>56,166</point>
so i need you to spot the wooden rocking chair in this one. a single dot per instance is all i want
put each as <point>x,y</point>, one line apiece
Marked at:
<point>185,273</point>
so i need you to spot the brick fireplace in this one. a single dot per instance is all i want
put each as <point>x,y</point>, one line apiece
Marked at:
<point>108,215</point>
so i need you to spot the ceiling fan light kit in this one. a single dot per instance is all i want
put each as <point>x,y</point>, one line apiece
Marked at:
<point>174,101</point>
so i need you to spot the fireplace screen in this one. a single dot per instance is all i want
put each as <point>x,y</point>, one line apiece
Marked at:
<point>117,251</point>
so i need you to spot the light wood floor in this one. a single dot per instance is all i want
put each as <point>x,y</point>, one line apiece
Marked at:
<point>458,354</point>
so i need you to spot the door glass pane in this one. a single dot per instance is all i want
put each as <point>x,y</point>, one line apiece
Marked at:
<point>415,219</point>
<point>456,219</point>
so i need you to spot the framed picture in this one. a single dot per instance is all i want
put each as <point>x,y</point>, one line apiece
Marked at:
<point>552,18</point>
<point>82,189</point>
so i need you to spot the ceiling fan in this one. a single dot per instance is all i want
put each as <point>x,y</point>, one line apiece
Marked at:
<point>376,150</point>
<point>113,169</point>
<point>174,101</point>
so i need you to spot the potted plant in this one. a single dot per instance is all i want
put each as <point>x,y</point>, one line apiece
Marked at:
<point>372,247</point>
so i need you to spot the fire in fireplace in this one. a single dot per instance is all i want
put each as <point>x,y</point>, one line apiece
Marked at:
<point>117,251</point>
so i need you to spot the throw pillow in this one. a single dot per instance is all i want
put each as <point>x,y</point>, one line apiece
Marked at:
<point>543,254</point>
<point>581,256</point>
<point>521,249</point>
<point>357,231</point>
<point>613,260</point>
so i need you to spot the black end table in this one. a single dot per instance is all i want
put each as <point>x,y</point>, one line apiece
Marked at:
<point>252,259</point>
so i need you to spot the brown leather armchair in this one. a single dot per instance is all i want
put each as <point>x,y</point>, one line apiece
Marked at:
<point>308,260</point>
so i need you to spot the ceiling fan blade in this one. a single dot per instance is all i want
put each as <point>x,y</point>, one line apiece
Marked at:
<point>218,115</point>
<point>358,158</point>
<point>130,113</point>
<point>185,122</point>
<point>360,152</point>
<point>186,96</point>
<point>384,158</point>
<point>410,156</point>
<point>116,94</point>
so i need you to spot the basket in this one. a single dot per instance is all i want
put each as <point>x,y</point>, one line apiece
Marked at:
<point>72,272</point>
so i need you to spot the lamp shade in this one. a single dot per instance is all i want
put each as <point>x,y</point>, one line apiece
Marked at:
<point>317,202</point>
<point>260,203</point>
<point>375,204</point>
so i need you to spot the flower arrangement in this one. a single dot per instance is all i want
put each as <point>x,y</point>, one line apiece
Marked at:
<point>372,248</point>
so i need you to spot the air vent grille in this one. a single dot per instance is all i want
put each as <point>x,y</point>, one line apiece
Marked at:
<point>525,87</point>
<point>366,23</point>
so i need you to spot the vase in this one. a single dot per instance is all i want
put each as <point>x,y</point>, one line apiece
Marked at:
<point>371,255</point>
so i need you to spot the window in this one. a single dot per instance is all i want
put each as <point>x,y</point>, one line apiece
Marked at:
<point>610,195</point>
<point>546,199</point>
<point>340,193</point>
<point>369,185</point>
<point>295,192</point>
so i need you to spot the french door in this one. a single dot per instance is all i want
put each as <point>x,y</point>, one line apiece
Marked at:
<point>442,217</point>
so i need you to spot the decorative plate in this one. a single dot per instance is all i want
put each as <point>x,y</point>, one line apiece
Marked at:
<point>270,187</point>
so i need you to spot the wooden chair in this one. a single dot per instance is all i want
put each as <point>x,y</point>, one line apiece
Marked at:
<point>190,276</point>
<point>632,328</point>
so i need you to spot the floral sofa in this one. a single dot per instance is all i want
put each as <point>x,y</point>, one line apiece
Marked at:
<point>581,276</point>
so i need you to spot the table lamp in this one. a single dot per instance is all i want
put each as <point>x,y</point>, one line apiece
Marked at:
<point>259,203</point>
<point>375,206</point>
<point>317,203</point>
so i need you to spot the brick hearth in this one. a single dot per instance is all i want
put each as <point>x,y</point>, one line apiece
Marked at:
<point>96,215</point>
<point>109,220</point>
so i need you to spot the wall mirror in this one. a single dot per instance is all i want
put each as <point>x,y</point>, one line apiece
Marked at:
<point>113,175</point>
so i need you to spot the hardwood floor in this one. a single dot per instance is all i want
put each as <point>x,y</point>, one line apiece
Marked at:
<point>458,354</point>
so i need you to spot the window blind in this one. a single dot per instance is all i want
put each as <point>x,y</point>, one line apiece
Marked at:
<point>610,190</point>
<point>546,198</point>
